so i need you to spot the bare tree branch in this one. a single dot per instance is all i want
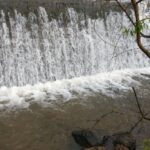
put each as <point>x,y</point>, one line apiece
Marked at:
<point>138,33</point>
<point>97,121</point>
<point>135,125</point>
<point>125,11</point>
<point>143,115</point>
<point>139,1</point>
<point>136,25</point>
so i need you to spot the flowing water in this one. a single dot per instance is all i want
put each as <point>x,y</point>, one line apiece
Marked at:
<point>62,66</point>
<point>35,48</point>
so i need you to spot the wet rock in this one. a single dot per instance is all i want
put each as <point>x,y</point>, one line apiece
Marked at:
<point>90,140</point>
<point>125,139</point>
<point>87,138</point>
<point>108,142</point>
<point>96,148</point>
<point>120,147</point>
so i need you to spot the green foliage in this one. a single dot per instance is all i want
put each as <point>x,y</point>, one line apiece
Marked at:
<point>147,144</point>
<point>131,31</point>
<point>128,31</point>
<point>140,26</point>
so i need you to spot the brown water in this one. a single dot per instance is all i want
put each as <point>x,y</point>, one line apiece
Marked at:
<point>50,128</point>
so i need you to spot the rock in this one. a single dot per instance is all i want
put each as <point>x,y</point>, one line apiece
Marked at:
<point>97,148</point>
<point>87,138</point>
<point>108,142</point>
<point>94,140</point>
<point>120,147</point>
<point>125,139</point>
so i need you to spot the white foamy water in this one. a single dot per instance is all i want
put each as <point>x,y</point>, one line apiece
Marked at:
<point>35,49</point>
<point>64,90</point>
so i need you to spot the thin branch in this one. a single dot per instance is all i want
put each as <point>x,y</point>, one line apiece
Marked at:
<point>125,51</point>
<point>131,20</point>
<point>97,121</point>
<point>135,125</point>
<point>137,102</point>
<point>125,11</point>
<point>145,36</point>
<point>139,1</point>
<point>143,115</point>
<point>138,33</point>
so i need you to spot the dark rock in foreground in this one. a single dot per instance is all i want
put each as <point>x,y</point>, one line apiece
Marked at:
<point>88,139</point>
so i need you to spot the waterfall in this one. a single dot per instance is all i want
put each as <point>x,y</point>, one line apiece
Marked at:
<point>75,50</point>
<point>36,48</point>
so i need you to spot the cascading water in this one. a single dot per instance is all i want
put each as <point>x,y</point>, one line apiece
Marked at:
<point>36,49</point>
